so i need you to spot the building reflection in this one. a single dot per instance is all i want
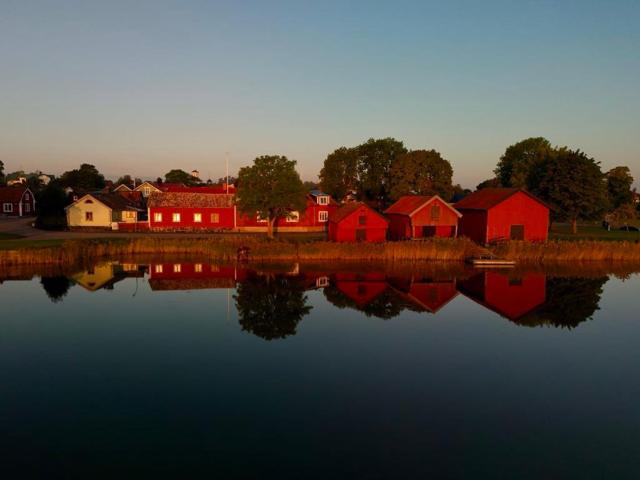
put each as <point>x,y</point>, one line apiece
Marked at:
<point>271,303</point>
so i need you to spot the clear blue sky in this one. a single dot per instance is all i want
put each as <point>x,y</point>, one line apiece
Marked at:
<point>142,87</point>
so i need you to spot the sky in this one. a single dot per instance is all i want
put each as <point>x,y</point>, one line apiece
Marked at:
<point>147,86</point>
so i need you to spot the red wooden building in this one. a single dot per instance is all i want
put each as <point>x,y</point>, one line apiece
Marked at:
<point>496,214</point>
<point>314,219</point>
<point>188,211</point>
<point>361,288</point>
<point>426,294</point>
<point>508,295</point>
<point>415,216</point>
<point>357,222</point>
<point>17,201</point>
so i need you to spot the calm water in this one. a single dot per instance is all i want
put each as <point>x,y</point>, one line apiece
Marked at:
<point>194,370</point>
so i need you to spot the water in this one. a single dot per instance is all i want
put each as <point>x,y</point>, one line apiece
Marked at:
<point>190,370</point>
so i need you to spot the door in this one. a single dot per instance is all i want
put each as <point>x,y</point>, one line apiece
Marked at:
<point>361,235</point>
<point>517,232</point>
<point>429,231</point>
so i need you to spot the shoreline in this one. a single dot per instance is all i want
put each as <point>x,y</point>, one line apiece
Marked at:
<point>225,249</point>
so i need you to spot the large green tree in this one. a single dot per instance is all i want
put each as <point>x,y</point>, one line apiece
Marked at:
<point>339,174</point>
<point>1,172</point>
<point>51,201</point>
<point>619,181</point>
<point>518,160</point>
<point>573,183</point>
<point>489,183</point>
<point>421,172</point>
<point>87,177</point>
<point>375,158</point>
<point>180,176</point>
<point>272,188</point>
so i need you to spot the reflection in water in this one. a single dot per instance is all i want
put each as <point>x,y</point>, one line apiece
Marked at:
<point>271,304</point>
<point>56,287</point>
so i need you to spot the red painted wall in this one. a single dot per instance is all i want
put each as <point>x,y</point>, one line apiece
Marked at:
<point>473,224</point>
<point>519,209</point>
<point>402,227</point>
<point>345,231</point>
<point>399,226</point>
<point>513,297</point>
<point>307,219</point>
<point>186,218</point>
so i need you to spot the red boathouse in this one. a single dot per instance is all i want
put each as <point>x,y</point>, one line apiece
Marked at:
<point>497,214</point>
<point>17,201</point>
<point>415,216</point>
<point>357,222</point>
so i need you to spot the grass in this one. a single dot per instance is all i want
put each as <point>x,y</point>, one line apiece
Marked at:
<point>9,236</point>
<point>562,231</point>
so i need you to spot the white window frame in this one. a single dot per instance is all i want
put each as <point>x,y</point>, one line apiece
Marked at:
<point>157,217</point>
<point>7,208</point>
<point>323,200</point>
<point>27,208</point>
<point>176,217</point>
<point>26,196</point>
<point>197,217</point>
<point>323,216</point>
<point>146,191</point>
<point>293,217</point>
<point>158,268</point>
<point>197,268</point>
<point>177,267</point>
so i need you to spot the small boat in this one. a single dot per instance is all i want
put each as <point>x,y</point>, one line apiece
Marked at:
<point>490,261</point>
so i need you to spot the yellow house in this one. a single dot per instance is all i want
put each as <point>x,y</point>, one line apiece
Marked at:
<point>101,210</point>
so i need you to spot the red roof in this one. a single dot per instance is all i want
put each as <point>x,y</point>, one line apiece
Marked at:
<point>349,208</point>
<point>408,204</point>
<point>204,189</point>
<point>488,198</point>
<point>12,194</point>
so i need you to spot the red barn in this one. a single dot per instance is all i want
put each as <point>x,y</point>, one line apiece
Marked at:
<point>314,219</point>
<point>17,201</point>
<point>357,222</point>
<point>188,211</point>
<point>496,214</point>
<point>415,216</point>
<point>512,297</point>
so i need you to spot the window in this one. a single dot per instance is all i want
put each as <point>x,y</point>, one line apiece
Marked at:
<point>7,207</point>
<point>323,216</point>
<point>362,220</point>
<point>197,218</point>
<point>435,212</point>
<point>323,200</point>
<point>177,268</point>
<point>130,215</point>
<point>27,207</point>
<point>176,218</point>
<point>157,217</point>
<point>293,217</point>
<point>26,196</point>
<point>322,282</point>
<point>259,219</point>
<point>88,216</point>
<point>215,218</point>
<point>158,269</point>
<point>88,201</point>
<point>146,191</point>
<point>197,268</point>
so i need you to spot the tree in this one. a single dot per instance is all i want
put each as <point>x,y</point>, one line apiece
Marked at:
<point>489,183</point>
<point>375,158</point>
<point>223,180</point>
<point>87,178</point>
<point>309,185</point>
<point>51,201</point>
<point>272,188</point>
<point>1,172</point>
<point>421,172</point>
<point>180,176</point>
<point>619,181</point>
<point>125,180</point>
<point>519,159</point>
<point>339,175</point>
<point>56,287</point>
<point>271,306</point>
<point>573,184</point>
<point>623,214</point>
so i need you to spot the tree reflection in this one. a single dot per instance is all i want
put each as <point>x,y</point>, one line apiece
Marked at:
<point>271,306</point>
<point>569,302</point>
<point>386,305</point>
<point>56,287</point>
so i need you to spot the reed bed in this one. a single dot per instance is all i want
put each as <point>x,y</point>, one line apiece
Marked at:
<point>563,251</point>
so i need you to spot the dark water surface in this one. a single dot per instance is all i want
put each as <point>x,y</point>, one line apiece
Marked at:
<point>191,370</point>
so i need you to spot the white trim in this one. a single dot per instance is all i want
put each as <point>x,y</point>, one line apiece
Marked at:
<point>4,207</point>
<point>325,214</point>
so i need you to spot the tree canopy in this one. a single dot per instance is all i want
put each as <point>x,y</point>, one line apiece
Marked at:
<point>180,176</point>
<point>271,188</point>
<point>573,184</point>
<point>1,172</point>
<point>520,159</point>
<point>339,174</point>
<point>375,158</point>
<point>619,181</point>
<point>421,172</point>
<point>87,178</point>
<point>489,183</point>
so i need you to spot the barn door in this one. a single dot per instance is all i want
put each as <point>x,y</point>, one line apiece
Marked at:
<point>361,235</point>
<point>429,231</point>
<point>517,232</point>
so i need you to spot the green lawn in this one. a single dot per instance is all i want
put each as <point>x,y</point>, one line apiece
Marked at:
<point>562,231</point>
